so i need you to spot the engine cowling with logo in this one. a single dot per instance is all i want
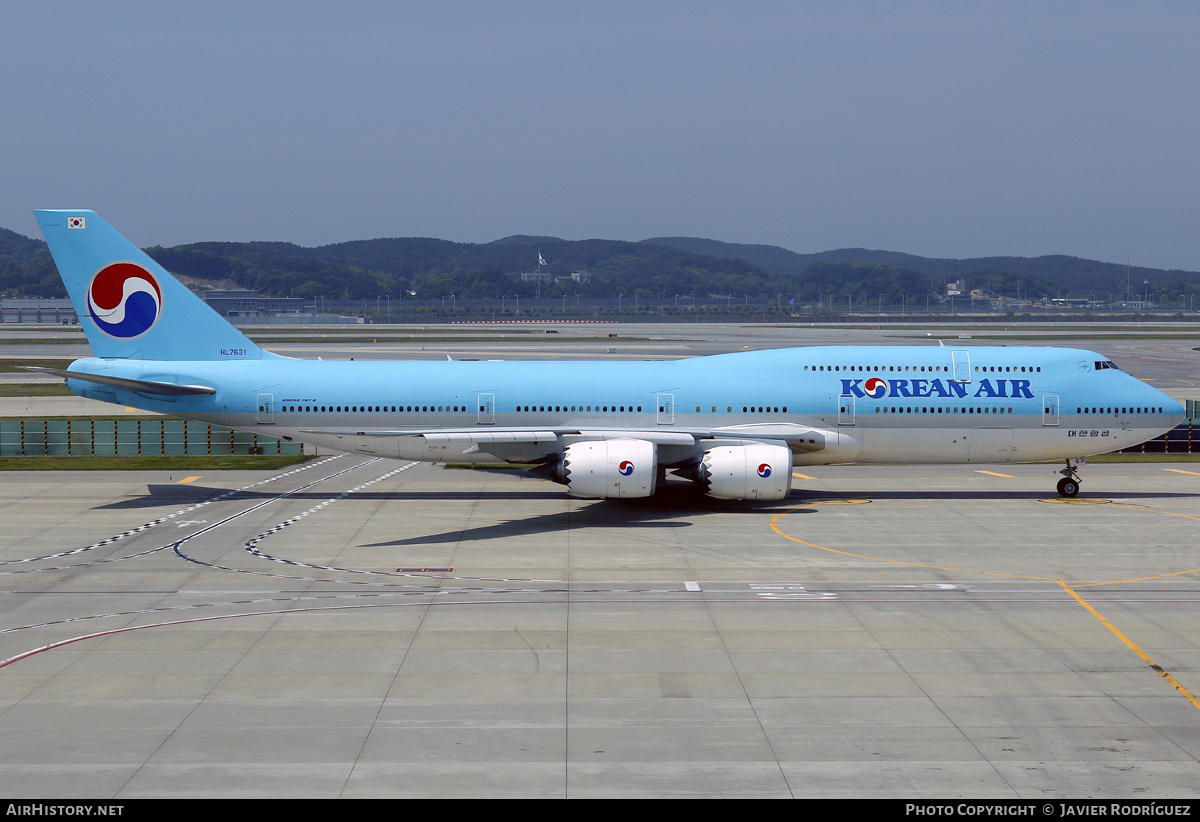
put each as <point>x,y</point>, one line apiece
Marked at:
<point>609,469</point>
<point>761,472</point>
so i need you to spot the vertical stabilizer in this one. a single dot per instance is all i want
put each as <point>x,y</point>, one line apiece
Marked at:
<point>128,305</point>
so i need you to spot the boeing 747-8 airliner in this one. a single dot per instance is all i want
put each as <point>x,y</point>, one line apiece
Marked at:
<point>735,424</point>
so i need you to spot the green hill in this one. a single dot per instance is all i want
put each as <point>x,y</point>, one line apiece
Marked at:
<point>1053,275</point>
<point>659,268</point>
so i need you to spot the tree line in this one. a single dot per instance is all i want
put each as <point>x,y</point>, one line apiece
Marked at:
<point>428,268</point>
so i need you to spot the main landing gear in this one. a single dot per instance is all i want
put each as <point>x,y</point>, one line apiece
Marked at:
<point>1068,486</point>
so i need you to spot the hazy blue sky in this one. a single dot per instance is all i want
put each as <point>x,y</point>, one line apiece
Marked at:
<point>946,129</point>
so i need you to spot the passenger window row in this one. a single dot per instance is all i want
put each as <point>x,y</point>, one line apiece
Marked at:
<point>1007,369</point>
<point>406,409</point>
<point>937,409</point>
<point>577,408</point>
<point>364,409</point>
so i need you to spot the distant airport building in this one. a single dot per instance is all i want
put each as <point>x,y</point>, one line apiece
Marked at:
<point>245,303</point>
<point>36,310</point>
<point>244,306</point>
<point>573,277</point>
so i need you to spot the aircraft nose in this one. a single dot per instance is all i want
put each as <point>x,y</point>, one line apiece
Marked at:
<point>1170,405</point>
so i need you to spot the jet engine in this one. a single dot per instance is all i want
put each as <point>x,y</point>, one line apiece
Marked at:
<point>606,469</point>
<point>746,472</point>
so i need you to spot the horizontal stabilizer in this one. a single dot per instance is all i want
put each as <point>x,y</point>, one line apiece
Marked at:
<point>169,389</point>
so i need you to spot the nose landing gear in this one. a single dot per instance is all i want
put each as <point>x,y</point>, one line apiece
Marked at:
<point>1068,486</point>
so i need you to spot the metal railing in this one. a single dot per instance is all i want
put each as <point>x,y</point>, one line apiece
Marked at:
<point>1182,439</point>
<point>133,438</point>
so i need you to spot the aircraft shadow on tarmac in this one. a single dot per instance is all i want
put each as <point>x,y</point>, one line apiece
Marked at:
<point>158,495</point>
<point>674,496</point>
<point>949,495</point>
<point>672,507</point>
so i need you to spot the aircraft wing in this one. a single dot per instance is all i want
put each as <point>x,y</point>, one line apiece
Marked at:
<point>511,434</point>
<point>798,436</point>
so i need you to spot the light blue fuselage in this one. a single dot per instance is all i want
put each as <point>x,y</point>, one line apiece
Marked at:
<point>887,404</point>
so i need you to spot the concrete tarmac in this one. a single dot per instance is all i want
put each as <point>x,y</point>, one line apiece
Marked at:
<point>356,629</point>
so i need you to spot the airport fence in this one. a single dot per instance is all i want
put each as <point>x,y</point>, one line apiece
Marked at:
<point>1182,439</point>
<point>132,438</point>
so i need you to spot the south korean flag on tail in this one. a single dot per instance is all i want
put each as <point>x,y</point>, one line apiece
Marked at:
<point>77,222</point>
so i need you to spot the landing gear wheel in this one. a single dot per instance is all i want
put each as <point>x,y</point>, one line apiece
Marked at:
<point>1068,486</point>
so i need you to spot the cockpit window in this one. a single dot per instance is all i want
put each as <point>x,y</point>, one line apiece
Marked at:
<point>1102,364</point>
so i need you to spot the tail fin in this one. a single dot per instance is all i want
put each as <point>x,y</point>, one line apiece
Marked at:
<point>128,305</point>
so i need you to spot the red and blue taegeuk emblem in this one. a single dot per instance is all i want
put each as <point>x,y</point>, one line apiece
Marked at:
<point>124,300</point>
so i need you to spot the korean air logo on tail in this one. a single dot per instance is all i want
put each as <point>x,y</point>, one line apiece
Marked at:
<point>764,470</point>
<point>124,300</point>
<point>626,468</point>
<point>875,388</point>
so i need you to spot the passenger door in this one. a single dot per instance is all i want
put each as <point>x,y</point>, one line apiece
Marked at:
<point>962,365</point>
<point>266,405</point>
<point>666,409</point>
<point>846,409</point>
<point>486,404</point>
<point>1050,409</point>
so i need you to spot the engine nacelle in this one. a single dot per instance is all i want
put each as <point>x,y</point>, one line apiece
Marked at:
<point>747,472</point>
<point>609,469</point>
